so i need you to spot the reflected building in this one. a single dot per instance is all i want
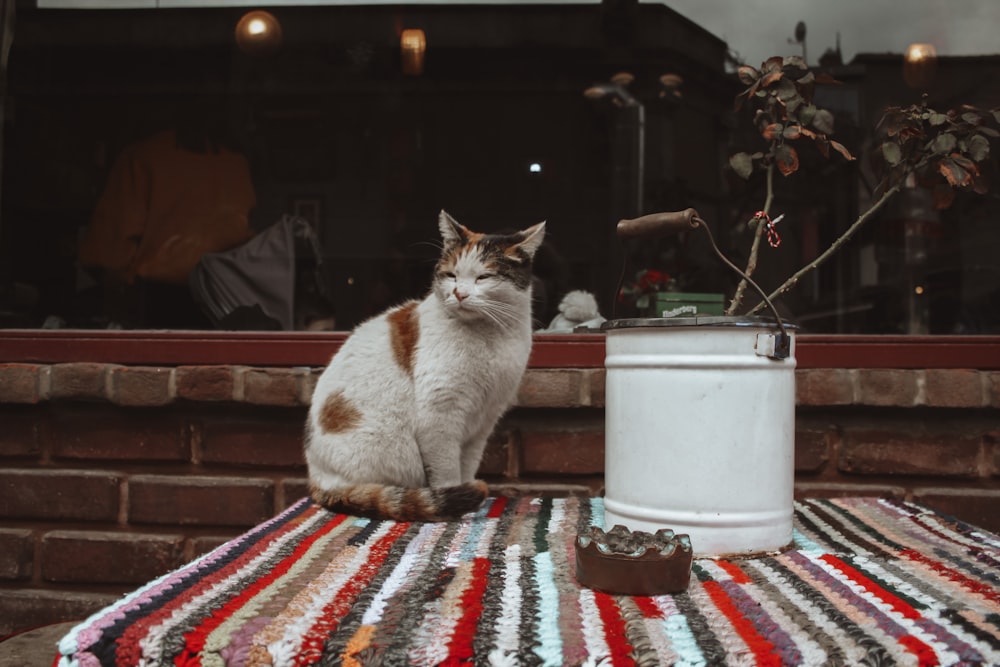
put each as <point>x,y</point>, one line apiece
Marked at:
<point>366,120</point>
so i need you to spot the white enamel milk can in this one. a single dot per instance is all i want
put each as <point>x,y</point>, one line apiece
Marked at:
<point>700,428</point>
<point>700,432</point>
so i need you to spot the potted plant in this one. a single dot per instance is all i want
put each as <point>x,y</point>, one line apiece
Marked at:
<point>700,411</point>
<point>918,147</point>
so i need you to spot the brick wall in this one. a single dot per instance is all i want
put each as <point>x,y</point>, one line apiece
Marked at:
<point>112,475</point>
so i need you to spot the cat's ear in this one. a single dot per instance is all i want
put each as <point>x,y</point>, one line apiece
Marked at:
<point>533,237</point>
<point>451,230</point>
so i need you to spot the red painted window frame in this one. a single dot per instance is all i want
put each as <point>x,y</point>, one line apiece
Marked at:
<point>196,348</point>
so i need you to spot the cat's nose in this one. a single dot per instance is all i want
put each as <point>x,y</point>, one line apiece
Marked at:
<point>461,296</point>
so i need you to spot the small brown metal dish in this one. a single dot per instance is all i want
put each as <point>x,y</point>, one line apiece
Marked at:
<point>622,562</point>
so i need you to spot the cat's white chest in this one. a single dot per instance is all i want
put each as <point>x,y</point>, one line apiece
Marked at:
<point>490,364</point>
<point>506,360</point>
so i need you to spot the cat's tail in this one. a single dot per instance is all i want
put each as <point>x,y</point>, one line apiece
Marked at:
<point>378,501</point>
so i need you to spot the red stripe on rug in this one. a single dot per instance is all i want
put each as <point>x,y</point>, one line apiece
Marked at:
<point>648,608</point>
<point>897,604</point>
<point>762,649</point>
<point>460,649</point>
<point>194,641</point>
<point>614,629</point>
<point>497,508</point>
<point>953,575</point>
<point>735,573</point>
<point>329,619</point>
<point>925,654</point>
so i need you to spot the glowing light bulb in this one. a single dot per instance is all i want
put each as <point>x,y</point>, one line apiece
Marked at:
<point>413,45</point>
<point>256,27</point>
<point>919,65</point>
<point>258,33</point>
<point>918,52</point>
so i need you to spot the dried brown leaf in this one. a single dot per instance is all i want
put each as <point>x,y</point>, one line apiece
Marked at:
<point>840,148</point>
<point>748,75</point>
<point>787,159</point>
<point>772,131</point>
<point>955,175</point>
<point>771,77</point>
<point>794,61</point>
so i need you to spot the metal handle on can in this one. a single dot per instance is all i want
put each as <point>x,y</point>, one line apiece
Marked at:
<point>667,222</point>
<point>658,224</point>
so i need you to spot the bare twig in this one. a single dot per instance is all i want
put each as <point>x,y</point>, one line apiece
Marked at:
<point>758,232</point>
<point>834,247</point>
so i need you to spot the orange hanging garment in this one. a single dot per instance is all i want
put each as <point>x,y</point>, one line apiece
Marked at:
<point>164,207</point>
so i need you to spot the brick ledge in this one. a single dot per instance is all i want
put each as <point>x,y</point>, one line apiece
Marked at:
<point>153,386</point>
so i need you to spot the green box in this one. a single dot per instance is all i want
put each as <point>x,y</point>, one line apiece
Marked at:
<point>688,304</point>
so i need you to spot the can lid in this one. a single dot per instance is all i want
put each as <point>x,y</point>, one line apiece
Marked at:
<point>697,321</point>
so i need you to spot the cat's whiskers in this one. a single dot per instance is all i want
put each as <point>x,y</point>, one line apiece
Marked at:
<point>495,318</point>
<point>502,313</point>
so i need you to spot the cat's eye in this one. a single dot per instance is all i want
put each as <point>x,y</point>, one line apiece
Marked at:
<point>449,274</point>
<point>483,276</point>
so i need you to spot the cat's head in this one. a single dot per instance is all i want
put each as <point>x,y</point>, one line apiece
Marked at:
<point>486,276</point>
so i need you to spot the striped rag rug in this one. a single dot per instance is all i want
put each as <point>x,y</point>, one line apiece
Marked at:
<point>869,582</point>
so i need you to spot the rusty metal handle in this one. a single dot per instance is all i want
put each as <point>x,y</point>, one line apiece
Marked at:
<point>658,224</point>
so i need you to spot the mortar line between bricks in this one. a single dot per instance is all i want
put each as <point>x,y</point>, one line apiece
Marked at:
<point>36,557</point>
<point>109,383</point>
<point>921,394</point>
<point>239,383</point>
<point>44,386</point>
<point>514,453</point>
<point>984,464</point>
<point>279,493</point>
<point>196,438</point>
<point>583,380</point>
<point>123,501</point>
<point>855,388</point>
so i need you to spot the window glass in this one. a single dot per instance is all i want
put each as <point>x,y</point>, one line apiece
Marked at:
<point>281,166</point>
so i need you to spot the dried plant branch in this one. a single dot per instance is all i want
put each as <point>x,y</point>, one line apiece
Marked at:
<point>834,247</point>
<point>757,222</point>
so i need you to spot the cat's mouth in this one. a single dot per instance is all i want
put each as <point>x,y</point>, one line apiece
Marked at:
<point>465,309</point>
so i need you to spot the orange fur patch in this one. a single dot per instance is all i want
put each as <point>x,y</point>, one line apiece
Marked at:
<point>338,414</point>
<point>405,332</point>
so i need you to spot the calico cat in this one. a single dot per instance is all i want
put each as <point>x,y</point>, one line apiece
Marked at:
<point>400,417</point>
